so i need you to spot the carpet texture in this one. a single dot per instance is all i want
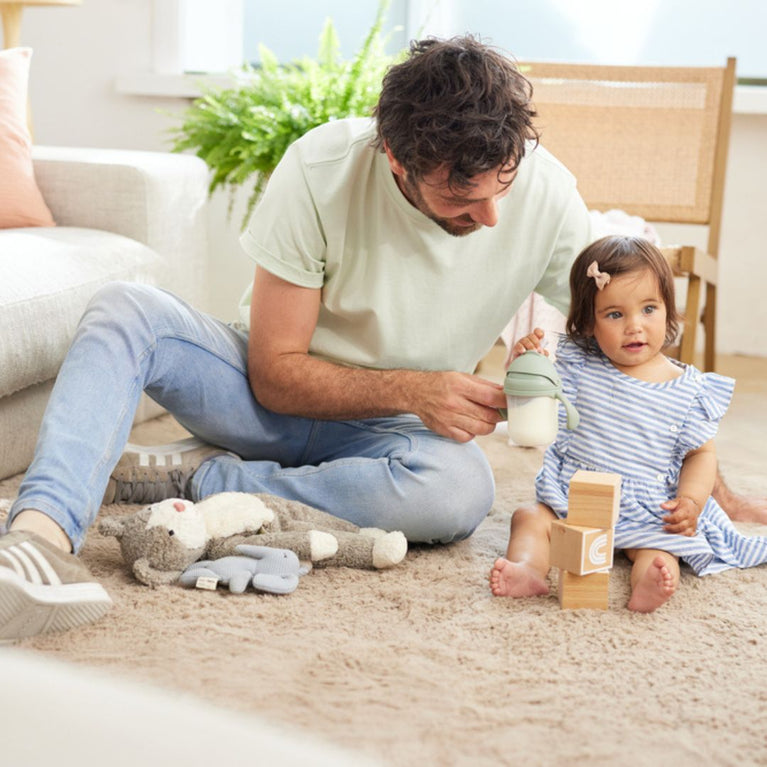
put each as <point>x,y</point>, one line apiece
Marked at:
<point>420,665</point>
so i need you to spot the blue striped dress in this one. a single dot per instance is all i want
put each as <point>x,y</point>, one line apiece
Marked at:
<point>643,431</point>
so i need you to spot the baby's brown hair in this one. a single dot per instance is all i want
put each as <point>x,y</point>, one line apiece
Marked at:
<point>616,255</point>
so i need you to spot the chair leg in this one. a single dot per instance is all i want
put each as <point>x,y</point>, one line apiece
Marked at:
<point>692,311</point>
<point>709,329</point>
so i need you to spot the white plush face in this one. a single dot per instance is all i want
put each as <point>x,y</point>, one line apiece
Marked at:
<point>183,518</point>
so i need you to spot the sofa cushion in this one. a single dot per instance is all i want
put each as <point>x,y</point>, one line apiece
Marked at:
<point>48,276</point>
<point>21,203</point>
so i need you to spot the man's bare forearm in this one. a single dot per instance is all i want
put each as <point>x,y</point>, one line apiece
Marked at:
<point>455,405</point>
<point>313,388</point>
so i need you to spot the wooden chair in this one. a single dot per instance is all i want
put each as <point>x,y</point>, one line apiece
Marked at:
<point>651,141</point>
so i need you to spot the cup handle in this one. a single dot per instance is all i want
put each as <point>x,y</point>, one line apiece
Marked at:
<point>573,419</point>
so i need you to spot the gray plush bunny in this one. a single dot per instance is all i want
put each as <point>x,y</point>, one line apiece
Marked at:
<point>275,571</point>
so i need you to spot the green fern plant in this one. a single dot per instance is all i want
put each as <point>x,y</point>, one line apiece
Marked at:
<point>242,131</point>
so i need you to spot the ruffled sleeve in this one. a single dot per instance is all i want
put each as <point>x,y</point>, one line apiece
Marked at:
<point>569,362</point>
<point>569,357</point>
<point>706,410</point>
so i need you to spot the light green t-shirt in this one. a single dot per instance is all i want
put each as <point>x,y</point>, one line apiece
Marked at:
<point>397,290</point>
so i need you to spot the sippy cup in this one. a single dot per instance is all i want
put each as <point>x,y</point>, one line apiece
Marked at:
<point>532,388</point>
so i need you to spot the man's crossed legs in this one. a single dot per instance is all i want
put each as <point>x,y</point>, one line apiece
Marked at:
<point>392,473</point>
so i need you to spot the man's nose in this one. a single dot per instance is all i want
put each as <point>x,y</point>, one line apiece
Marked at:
<point>486,213</point>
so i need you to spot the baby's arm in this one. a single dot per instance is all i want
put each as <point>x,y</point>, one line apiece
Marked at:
<point>530,342</point>
<point>696,481</point>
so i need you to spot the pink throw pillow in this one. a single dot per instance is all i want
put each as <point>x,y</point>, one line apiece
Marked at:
<point>21,203</point>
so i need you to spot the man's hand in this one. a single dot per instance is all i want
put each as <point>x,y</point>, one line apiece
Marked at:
<point>458,405</point>
<point>683,516</point>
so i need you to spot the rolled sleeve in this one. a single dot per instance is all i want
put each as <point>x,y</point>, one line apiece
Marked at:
<point>284,234</point>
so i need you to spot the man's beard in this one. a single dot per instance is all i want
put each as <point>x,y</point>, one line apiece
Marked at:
<point>413,194</point>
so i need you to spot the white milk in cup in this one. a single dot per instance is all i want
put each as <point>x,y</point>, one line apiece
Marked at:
<point>533,391</point>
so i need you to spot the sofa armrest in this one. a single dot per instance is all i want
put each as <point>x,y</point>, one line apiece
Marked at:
<point>157,198</point>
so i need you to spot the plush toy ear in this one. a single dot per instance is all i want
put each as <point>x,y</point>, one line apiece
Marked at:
<point>112,526</point>
<point>151,576</point>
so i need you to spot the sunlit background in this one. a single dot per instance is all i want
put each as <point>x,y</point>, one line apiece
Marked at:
<point>663,32</point>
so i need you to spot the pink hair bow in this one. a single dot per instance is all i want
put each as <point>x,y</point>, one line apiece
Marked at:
<point>601,278</point>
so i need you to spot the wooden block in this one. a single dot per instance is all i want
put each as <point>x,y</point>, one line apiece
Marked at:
<point>594,499</point>
<point>583,591</point>
<point>580,550</point>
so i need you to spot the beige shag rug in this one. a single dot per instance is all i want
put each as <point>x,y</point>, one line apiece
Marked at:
<point>420,665</point>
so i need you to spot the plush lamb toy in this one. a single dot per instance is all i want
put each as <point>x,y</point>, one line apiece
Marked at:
<point>160,541</point>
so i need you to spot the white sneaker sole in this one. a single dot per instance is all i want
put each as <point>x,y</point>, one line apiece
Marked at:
<point>169,454</point>
<point>29,609</point>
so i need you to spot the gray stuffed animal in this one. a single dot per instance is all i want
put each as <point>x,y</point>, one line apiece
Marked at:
<point>160,541</point>
<point>273,570</point>
<point>315,536</point>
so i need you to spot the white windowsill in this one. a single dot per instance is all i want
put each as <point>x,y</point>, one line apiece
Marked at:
<point>187,86</point>
<point>749,99</point>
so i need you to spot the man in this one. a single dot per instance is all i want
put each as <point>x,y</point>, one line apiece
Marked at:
<point>390,254</point>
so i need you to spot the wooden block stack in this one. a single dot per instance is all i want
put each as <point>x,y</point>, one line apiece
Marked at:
<point>582,544</point>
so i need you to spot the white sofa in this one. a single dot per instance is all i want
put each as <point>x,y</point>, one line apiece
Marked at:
<point>121,215</point>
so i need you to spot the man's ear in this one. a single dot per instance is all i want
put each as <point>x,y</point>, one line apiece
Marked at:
<point>396,166</point>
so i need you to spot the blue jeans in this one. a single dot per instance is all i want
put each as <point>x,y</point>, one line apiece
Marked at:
<point>391,473</point>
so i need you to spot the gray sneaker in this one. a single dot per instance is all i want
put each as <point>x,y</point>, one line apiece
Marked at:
<point>44,589</point>
<point>147,474</point>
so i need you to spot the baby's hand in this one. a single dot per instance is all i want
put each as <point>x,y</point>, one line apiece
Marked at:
<point>683,519</point>
<point>531,342</point>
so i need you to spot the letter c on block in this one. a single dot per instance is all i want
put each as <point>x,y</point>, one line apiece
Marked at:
<point>598,550</point>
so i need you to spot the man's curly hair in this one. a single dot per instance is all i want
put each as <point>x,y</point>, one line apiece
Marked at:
<point>458,104</point>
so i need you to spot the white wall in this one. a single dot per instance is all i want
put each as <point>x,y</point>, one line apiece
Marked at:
<point>80,51</point>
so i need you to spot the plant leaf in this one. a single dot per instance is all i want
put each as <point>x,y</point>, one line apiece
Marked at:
<point>243,131</point>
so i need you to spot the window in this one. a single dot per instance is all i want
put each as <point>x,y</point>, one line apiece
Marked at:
<point>202,36</point>
<point>352,20</point>
<point>196,35</point>
<point>214,36</point>
<point>650,32</point>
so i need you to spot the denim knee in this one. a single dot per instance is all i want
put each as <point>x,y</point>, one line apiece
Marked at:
<point>123,301</point>
<point>132,316</point>
<point>454,500</point>
<point>112,294</point>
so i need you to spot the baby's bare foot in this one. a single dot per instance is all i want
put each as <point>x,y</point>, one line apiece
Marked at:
<point>653,589</point>
<point>514,579</point>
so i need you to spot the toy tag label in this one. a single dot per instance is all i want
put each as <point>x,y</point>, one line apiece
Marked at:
<point>206,582</point>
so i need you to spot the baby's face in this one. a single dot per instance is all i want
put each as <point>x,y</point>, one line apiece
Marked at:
<point>630,319</point>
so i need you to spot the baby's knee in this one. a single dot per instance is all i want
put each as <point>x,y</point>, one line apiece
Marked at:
<point>532,516</point>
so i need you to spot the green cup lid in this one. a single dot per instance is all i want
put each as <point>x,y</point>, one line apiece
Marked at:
<point>532,375</point>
